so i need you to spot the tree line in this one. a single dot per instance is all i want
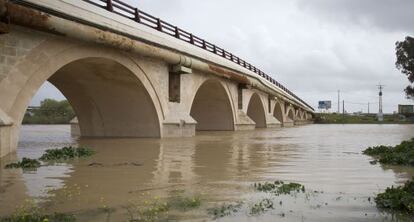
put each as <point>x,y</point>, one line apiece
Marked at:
<point>50,111</point>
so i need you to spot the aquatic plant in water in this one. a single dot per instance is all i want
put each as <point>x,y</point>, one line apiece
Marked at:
<point>29,212</point>
<point>184,203</point>
<point>150,211</point>
<point>401,154</point>
<point>261,207</point>
<point>224,210</point>
<point>26,164</point>
<point>399,198</point>
<point>279,187</point>
<point>66,153</point>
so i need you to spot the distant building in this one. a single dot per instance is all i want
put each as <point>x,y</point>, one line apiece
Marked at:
<point>405,109</point>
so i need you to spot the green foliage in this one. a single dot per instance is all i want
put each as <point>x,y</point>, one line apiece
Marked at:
<point>405,61</point>
<point>224,210</point>
<point>279,187</point>
<point>402,154</point>
<point>261,207</point>
<point>50,112</point>
<point>400,198</point>
<point>66,153</point>
<point>26,164</point>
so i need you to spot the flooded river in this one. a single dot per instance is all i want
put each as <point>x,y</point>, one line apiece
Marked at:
<point>212,169</point>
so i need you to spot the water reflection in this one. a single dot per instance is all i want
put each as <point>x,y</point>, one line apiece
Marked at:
<point>220,165</point>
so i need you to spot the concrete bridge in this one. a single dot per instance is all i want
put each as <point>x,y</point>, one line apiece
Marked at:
<point>129,74</point>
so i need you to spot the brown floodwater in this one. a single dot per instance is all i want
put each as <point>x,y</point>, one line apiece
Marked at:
<point>128,175</point>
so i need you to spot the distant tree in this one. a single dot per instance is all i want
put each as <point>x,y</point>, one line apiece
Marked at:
<point>50,112</point>
<point>405,62</point>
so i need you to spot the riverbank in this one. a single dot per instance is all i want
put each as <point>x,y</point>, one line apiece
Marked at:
<point>333,118</point>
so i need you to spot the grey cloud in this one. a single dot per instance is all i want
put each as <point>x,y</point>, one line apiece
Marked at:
<point>391,15</point>
<point>313,47</point>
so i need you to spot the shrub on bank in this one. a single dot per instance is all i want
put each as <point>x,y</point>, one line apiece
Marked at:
<point>399,198</point>
<point>402,154</point>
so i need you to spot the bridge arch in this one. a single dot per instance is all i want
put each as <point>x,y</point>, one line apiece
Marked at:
<point>278,111</point>
<point>211,107</point>
<point>107,89</point>
<point>291,113</point>
<point>256,111</point>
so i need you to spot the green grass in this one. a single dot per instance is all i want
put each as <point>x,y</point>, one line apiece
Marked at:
<point>333,118</point>
<point>401,154</point>
<point>26,164</point>
<point>66,153</point>
<point>399,198</point>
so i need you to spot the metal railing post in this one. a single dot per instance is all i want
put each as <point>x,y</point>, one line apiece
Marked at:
<point>137,18</point>
<point>109,6</point>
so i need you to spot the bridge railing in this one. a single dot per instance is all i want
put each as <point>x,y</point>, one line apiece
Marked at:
<point>133,13</point>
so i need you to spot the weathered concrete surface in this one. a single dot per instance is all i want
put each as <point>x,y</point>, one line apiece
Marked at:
<point>123,90</point>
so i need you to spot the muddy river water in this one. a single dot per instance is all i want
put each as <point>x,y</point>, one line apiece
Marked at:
<point>213,169</point>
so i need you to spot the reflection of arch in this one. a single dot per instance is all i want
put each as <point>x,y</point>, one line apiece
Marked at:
<point>211,107</point>
<point>98,82</point>
<point>256,111</point>
<point>278,111</point>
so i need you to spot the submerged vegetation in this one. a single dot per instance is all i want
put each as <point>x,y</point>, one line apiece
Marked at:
<point>224,210</point>
<point>279,187</point>
<point>66,153</point>
<point>261,207</point>
<point>402,154</point>
<point>399,198</point>
<point>157,210</point>
<point>29,212</point>
<point>26,164</point>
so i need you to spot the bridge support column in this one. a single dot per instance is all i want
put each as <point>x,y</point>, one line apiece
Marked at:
<point>272,122</point>
<point>243,122</point>
<point>181,127</point>
<point>6,136</point>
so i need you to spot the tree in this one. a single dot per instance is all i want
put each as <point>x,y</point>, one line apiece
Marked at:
<point>405,62</point>
<point>50,112</point>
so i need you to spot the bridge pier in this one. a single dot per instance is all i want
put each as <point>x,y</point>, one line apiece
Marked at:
<point>6,136</point>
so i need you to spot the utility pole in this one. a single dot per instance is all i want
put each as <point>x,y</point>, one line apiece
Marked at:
<point>343,111</point>
<point>380,114</point>
<point>339,102</point>
<point>368,107</point>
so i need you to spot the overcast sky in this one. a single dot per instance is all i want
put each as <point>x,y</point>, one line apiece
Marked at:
<point>313,47</point>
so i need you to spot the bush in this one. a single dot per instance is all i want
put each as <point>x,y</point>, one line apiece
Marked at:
<point>400,198</point>
<point>402,154</point>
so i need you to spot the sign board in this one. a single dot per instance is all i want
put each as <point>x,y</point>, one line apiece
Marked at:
<point>325,104</point>
<point>405,109</point>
